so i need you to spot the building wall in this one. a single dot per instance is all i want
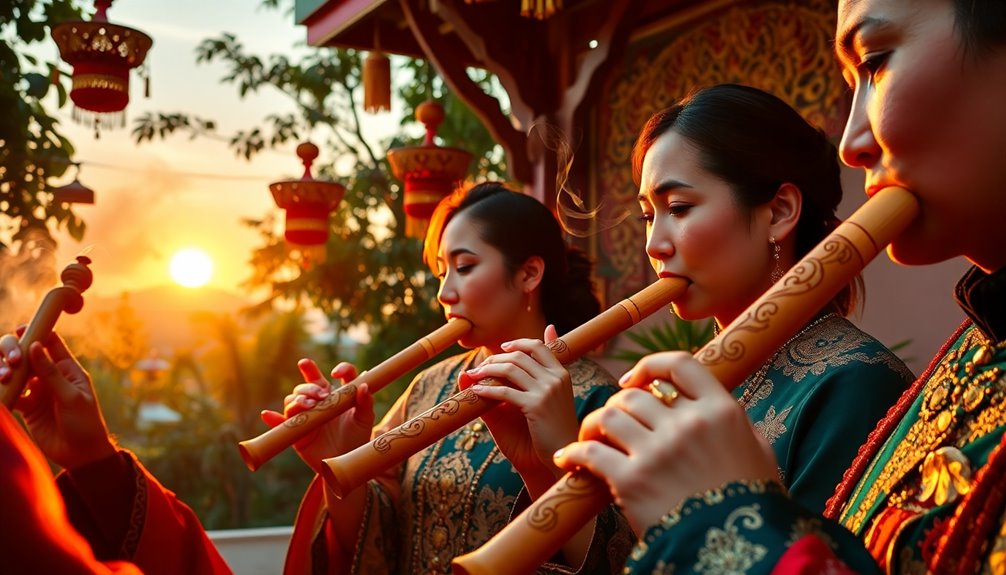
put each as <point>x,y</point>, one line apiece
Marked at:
<point>783,47</point>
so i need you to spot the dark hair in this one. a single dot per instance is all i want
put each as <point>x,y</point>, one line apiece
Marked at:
<point>981,24</point>
<point>756,143</point>
<point>521,227</point>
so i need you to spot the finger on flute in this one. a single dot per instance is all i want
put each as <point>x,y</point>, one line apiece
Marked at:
<point>258,450</point>
<point>350,470</point>
<point>736,352</point>
<point>76,278</point>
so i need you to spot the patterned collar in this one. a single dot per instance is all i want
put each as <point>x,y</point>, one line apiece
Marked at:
<point>983,298</point>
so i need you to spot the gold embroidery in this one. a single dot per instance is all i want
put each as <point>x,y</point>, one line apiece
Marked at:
<point>587,375</point>
<point>446,509</point>
<point>754,383</point>
<point>946,475</point>
<point>830,345</point>
<point>950,415</point>
<point>726,551</point>
<point>761,392</point>
<point>772,427</point>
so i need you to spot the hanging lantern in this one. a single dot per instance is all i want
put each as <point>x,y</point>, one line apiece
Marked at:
<point>537,9</point>
<point>376,82</point>
<point>376,78</point>
<point>74,192</point>
<point>102,54</point>
<point>308,203</point>
<point>430,172</point>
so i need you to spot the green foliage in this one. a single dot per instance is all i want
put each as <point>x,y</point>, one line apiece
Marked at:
<point>673,335</point>
<point>218,391</point>
<point>32,149</point>
<point>371,273</point>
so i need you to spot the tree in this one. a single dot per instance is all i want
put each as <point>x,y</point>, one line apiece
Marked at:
<point>372,273</point>
<point>32,149</point>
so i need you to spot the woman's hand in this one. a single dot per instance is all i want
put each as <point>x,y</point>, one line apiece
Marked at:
<point>539,415</point>
<point>654,456</point>
<point>344,433</point>
<point>61,409</point>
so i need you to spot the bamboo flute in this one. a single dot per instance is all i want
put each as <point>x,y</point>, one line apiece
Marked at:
<point>258,450</point>
<point>350,470</point>
<point>76,278</point>
<point>540,531</point>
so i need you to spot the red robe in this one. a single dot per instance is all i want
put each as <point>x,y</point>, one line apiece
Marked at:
<point>158,534</point>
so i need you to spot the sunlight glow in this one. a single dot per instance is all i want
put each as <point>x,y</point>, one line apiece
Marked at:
<point>191,267</point>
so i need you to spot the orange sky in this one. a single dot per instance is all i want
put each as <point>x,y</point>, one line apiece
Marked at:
<point>149,203</point>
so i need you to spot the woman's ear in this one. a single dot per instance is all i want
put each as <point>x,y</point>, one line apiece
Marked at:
<point>785,209</point>
<point>530,274</point>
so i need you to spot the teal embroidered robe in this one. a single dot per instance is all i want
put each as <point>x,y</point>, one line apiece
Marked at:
<point>925,495</point>
<point>815,401</point>
<point>818,398</point>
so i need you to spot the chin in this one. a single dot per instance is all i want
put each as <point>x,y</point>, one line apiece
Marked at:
<point>687,313</point>
<point>912,250</point>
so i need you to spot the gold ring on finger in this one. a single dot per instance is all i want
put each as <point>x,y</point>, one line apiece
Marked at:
<point>664,391</point>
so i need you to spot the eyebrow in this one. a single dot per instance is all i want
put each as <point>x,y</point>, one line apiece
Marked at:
<point>662,189</point>
<point>459,251</point>
<point>844,44</point>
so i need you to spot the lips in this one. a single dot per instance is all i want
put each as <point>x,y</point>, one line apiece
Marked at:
<point>666,274</point>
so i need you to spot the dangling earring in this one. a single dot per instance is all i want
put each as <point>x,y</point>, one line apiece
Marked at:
<point>776,274</point>
<point>528,294</point>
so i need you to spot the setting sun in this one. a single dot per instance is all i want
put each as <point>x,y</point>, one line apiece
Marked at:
<point>191,267</point>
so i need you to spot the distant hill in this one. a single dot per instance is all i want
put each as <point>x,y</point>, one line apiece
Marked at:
<point>166,312</point>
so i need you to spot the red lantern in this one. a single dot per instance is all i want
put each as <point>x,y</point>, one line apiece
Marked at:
<point>307,202</point>
<point>430,172</point>
<point>102,54</point>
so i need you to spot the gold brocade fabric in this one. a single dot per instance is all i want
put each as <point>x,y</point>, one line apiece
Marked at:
<point>459,492</point>
<point>932,462</point>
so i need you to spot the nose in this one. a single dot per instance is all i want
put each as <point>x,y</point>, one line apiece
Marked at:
<point>447,295</point>
<point>859,147</point>
<point>659,246</point>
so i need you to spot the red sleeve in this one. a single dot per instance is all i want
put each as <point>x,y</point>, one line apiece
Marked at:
<point>165,536</point>
<point>35,534</point>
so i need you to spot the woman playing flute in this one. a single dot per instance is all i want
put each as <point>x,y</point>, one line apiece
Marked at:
<point>925,493</point>
<point>734,188</point>
<point>504,266</point>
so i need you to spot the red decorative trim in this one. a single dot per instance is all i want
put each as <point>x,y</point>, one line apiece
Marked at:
<point>975,518</point>
<point>884,429</point>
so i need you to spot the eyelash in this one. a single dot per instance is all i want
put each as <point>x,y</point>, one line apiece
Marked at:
<point>674,210</point>
<point>462,269</point>
<point>872,63</point>
<point>679,209</point>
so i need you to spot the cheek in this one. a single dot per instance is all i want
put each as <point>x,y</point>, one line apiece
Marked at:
<point>706,240</point>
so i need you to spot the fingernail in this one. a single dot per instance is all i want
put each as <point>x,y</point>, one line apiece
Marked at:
<point>506,344</point>
<point>323,393</point>
<point>625,377</point>
<point>309,402</point>
<point>473,371</point>
<point>4,370</point>
<point>14,353</point>
<point>477,387</point>
<point>558,453</point>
